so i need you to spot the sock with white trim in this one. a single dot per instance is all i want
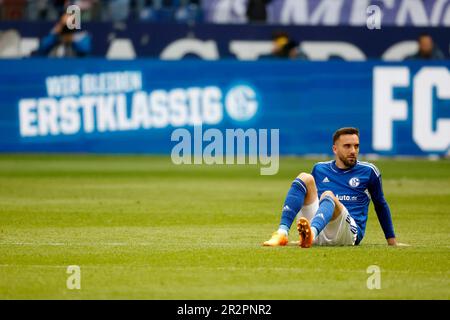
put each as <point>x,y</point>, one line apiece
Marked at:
<point>292,204</point>
<point>323,215</point>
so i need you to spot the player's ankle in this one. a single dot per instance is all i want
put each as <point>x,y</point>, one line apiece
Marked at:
<point>314,232</point>
<point>282,231</point>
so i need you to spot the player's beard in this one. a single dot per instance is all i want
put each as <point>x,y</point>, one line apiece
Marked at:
<point>348,162</point>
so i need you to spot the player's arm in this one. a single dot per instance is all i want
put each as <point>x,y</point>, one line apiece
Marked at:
<point>382,207</point>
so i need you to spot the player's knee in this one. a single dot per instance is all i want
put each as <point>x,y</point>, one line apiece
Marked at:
<point>306,178</point>
<point>329,194</point>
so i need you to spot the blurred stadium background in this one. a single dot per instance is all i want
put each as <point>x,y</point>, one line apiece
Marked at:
<point>142,227</point>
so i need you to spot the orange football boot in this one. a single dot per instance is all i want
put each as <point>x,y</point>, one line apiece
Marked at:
<point>278,239</point>
<point>305,232</point>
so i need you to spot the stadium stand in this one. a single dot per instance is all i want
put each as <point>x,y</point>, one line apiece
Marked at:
<point>103,10</point>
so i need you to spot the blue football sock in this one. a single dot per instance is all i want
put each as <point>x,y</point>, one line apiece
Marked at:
<point>293,204</point>
<point>324,214</point>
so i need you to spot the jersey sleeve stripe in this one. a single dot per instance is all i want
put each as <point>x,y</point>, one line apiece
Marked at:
<point>324,162</point>
<point>373,167</point>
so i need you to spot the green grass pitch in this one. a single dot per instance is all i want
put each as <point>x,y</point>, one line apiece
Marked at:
<point>140,227</point>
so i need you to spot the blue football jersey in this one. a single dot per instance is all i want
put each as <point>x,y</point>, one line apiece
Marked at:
<point>355,187</point>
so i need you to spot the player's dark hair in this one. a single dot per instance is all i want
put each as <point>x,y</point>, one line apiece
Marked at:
<point>346,130</point>
<point>423,35</point>
<point>279,34</point>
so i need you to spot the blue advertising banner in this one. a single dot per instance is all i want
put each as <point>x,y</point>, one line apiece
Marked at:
<point>241,42</point>
<point>102,106</point>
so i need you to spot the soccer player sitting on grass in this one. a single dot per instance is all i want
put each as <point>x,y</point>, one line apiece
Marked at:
<point>333,200</point>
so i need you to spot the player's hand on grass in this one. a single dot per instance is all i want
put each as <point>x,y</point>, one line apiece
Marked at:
<point>393,242</point>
